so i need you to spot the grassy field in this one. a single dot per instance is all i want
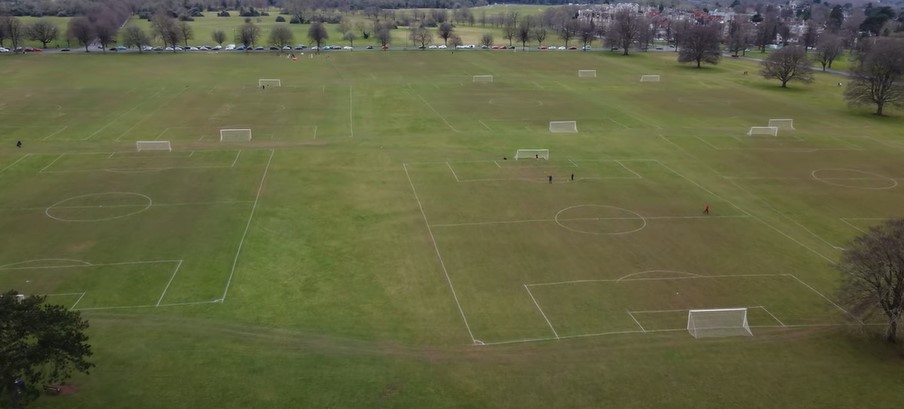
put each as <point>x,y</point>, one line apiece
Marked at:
<point>376,244</point>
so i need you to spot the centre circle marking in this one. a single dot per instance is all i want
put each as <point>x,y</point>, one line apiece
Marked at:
<point>892,183</point>
<point>636,216</point>
<point>61,205</point>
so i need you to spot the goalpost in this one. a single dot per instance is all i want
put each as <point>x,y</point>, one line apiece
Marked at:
<point>482,78</point>
<point>235,135</point>
<point>763,130</point>
<point>649,78</point>
<point>153,146</point>
<point>782,123</point>
<point>269,82</point>
<point>563,126</point>
<point>532,154</point>
<point>725,322</point>
<point>587,73</point>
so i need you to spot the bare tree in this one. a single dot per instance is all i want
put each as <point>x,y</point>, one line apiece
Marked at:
<point>455,40</point>
<point>568,31</point>
<point>587,33</point>
<point>3,35</point>
<point>248,34</point>
<point>486,40</point>
<point>784,31</point>
<point>165,27</point>
<point>701,44</point>
<point>81,30</point>
<point>44,31</point>
<point>13,29</point>
<point>509,31</point>
<point>539,34</point>
<point>445,32</point>
<point>828,49</point>
<point>878,78</point>
<point>218,36</point>
<point>187,32</point>
<point>525,28</point>
<point>105,30</point>
<point>420,35</point>
<point>281,36</point>
<point>738,36</point>
<point>623,29</point>
<point>787,64</point>
<point>645,33</point>
<point>350,36</point>
<point>363,28</point>
<point>317,34</point>
<point>134,36</point>
<point>872,270</point>
<point>383,36</point>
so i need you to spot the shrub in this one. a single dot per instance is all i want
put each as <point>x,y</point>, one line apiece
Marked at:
<point>280,19</point>
<point>223,13</point>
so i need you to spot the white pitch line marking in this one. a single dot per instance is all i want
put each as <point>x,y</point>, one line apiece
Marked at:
<point>236,158</point>
<point>740,216</point>
<point>485,125</point>
<point>497,164</point>
<point>247,226</point>
<point>120,116</point>
<point>575,164</point>
<point>160,135</point>
<point>163,294</point>
<point>439,255</point>
<point>636,321</point>
<point>453,171</point>
<point>17,161</point>
<point>51,163</point>
<point>315,132</point>
<point>629,170</point>
<point>54,133</point>
<point>772,315</point>
<point>351,127</point>
<point>72,308</point>
<point>541,312</point>
<point>435,111</point>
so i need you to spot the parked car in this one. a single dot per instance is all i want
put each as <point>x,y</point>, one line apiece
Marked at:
<point>370,47</point>
<point>385,47</point>
<point>259,49</point>
<point>240,48</point>
<point>300,47</point>
<point>63,50</point>
<point>120,48</point>
<point>441,47</point>
<point>4,50</point>
<point>217,47</point>
<point>274,48</point>
<point>230,47</point>
<point>348,47</point>
<point>287,48</point>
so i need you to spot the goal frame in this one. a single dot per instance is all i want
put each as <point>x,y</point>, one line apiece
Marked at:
<point>269,82</point>
<point>153,146</point>
<point>650,78</point>
<point>782,123</point>
<point>224,138</point>
<point>532,153</point>
<point>572,129</point>
<point>762,130</point>
<point>743,328</point>
<point>587,73</point>
<point>482,79</point>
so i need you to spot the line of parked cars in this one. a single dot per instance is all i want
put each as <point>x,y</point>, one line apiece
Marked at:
<point>20,50</point>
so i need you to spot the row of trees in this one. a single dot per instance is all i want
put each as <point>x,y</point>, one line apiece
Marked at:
<point>13,30</point>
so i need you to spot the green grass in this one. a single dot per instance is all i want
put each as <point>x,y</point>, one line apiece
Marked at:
<point>317,230</point>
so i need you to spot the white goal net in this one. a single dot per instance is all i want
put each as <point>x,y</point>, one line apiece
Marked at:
<point>587,73</point>
<point>235,135</point>
<point>726,322</point>
<point>532,154</point>
<point>482,78</point>
<point>782,123</point>
<point>269,83</point>
<point>649,78</point>
<point>563,126</point>
<point>153,146</point>
<point>763,130</point>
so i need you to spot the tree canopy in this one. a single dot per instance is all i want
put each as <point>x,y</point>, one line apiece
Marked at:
<point>40,344</point>
<point>872,270</point>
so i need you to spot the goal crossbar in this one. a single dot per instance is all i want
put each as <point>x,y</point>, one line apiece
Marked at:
<point>153,146</point>
<point>563,126</point>
<point>482,78</point>
<point>782,123</point>
<point>270,82</point>
<point>649,78</point>
<point>718,322</point>
<point>235,135</point>
<point>587,73</point>
<point>763,130</point>
<point>532,154</point>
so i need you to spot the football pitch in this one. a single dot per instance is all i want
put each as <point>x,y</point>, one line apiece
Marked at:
<point>376,243</point>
